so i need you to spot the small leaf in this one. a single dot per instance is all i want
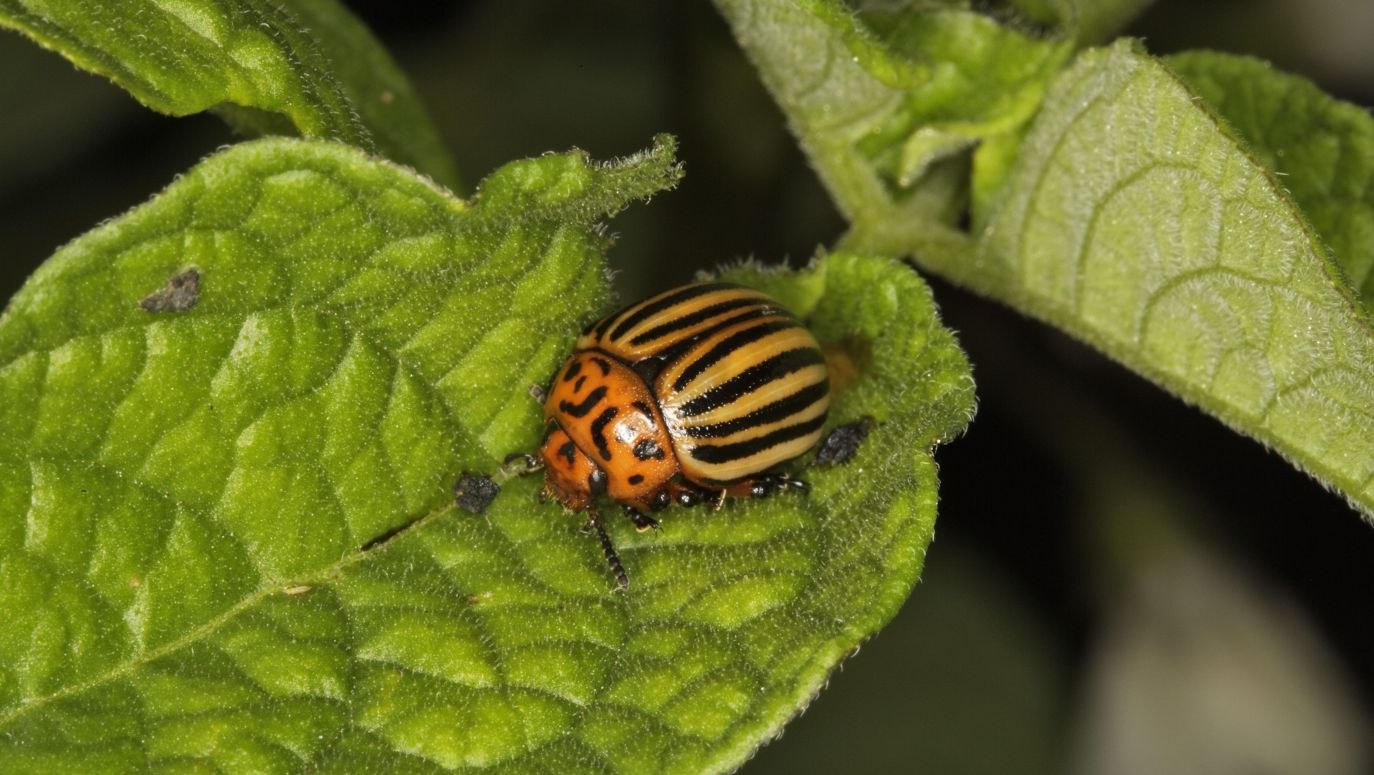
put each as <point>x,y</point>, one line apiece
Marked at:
<point>227,537</point>
<point>1096,21</point>
<point>1138,223</point>
<point>1322,149</point>
<point>877,98</point>
<point>306,67</point>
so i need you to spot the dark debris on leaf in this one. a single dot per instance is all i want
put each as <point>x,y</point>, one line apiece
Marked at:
<point>841,443</point>
<point>474,493</point>
<point>179,294</point>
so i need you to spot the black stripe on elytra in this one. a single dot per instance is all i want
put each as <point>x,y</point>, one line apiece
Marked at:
<point>649,368</point>
<point>599,327</point>
<point>572,371</point>
<point>599,431</point>
<point>580,410</point>
<point>752,378</point>
<point>687,321</point>
<point>724,453</point>
<point>604,364</point>
<point>653,308</point>
<point>775,412</point>
<point>728,345</point>
<point>648,449</point>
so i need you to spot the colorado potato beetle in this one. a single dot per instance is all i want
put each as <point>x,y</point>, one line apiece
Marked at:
<point>694,394</point>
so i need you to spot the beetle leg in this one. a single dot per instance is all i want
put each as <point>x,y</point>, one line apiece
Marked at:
<point>763,486</point>
<point>642,521</point>
<point>622,579</point>
<point>686,495</point>
<point>520,464</point>
<point>779,482</point>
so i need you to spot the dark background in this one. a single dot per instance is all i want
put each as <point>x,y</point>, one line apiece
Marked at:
<point>1105,555</point>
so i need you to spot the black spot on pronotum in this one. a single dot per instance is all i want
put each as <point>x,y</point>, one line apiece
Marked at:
<point>569,452</point>
<point>474,493</point>
<point>636,478</point>
<point>604,365</point>
<point>581,410</point>
<point>599,431</point>
<point>180,293</point>
<point>840,444</point>
<point>648,449</point>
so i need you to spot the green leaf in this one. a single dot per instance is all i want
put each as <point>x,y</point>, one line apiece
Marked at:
<point>1131,218</point>
<point>1136,222</point>
<point>226,532</point>
<point>304,67</point>
<point>878,100</point>
<point>1322,149</point>
<point>1096,21</point>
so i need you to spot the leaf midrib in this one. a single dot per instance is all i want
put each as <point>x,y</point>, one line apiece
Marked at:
<point>265,590</point>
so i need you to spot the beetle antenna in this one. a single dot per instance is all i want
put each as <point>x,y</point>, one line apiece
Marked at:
<point>622,579</point>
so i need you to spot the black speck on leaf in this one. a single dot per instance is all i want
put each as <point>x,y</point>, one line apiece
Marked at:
<point>474,493</point>
<point>841,444</point>
<point>179,294</point>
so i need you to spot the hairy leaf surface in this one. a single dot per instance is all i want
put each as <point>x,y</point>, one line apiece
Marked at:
<point>1137,222</point>
<point>229,426</point>
<point>1322,149</point>
<point>879,100</point>
<point>1128,215</point>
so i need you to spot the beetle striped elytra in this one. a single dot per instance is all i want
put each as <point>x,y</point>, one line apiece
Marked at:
<point>694,394</point>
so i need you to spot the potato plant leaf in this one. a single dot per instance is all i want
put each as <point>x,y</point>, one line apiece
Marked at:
<point>1137,222</point>
<point>229,425</point>
<point>1130,216</point>
<point>1322,149</point>
<point>1094,21</point>
<point>305,67</point>
<point>879,98</point>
